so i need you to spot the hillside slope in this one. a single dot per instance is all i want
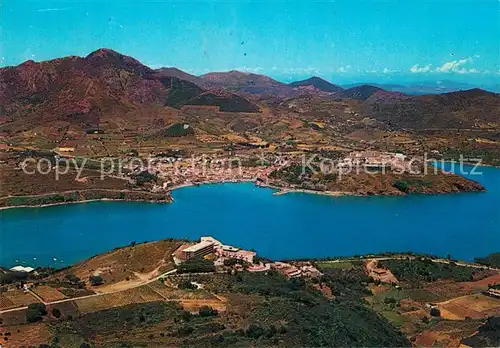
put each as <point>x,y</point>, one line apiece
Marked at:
<point>358,93</point>
<point>84,90</point>
<point>473,108</point>
<point>248,83</point>
<point>318,83</point>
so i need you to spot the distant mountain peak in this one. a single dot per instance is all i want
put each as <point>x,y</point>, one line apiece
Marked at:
<point>28,63</point>
<point>316,78</point>
<point>104,52</point>
<point>362,92</point>
<point>246,82</point>
<point>105,57</point>
<point>318,83</point>
<point>237,72</point>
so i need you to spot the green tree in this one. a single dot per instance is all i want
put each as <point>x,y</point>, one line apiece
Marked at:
<point>207,311</point>
<point>96,280</point>
<point>56,312</point>
<point>435,312</point>
<point>401,185</point>
<point>35,312</point>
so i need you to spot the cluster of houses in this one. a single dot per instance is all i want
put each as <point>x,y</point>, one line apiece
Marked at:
<point>375,160</point>
<point>381,274</point>
<point>303,269</point>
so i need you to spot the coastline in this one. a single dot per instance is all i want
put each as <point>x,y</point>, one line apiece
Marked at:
<point>170,200</point>
<point>467,163</point>
<point>283,191</point>
<point>312,192</point>
<point>279,191</point>
<point>210,182</point>
<point>84,201</point>
<point>133,197</point>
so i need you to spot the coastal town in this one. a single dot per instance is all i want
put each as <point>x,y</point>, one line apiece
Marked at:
<point>174,172</point>
<point>305,172</point>
<point>154,176</point>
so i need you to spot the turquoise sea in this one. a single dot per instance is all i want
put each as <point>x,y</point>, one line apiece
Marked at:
<point>294,225</point>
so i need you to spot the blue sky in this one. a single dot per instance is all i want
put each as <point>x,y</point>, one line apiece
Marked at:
<point>343,41</point>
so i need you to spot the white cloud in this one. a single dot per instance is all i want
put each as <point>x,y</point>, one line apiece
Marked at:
<point>371,71</point>
<point>53,9</point>
<point>344,69</point>
<point>247,69</point>
<point>420,69</point>
<point>474,71</point>
<point>454,66</point>
<point>389,71</point>
<point>459,66</point>
<point>304,70</point>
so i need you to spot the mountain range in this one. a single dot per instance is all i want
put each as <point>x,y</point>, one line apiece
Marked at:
<point>107,85</point>
<point>425,87</point>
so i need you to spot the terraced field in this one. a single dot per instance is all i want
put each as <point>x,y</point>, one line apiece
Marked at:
<point>16,298</point>
<point>48,294</point>
<point>172,293</point>
<point>141,294</point>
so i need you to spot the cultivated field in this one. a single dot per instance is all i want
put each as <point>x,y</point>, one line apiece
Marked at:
<point>195,305</point>
<point>171,293</point>
<point>136,295</point>
<point>124,267</point>
<point>16,298</point>
<point>48,294</point>
<point>472,306</point>
<point>27,335</point>
<point>447,334</point>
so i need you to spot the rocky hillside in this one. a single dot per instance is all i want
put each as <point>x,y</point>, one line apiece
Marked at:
<point>174,72</point>
<point>469,109</point>
<point>103,84</point>
<point>359,93</point>
<point>248,83</point>
<point>367,184</point>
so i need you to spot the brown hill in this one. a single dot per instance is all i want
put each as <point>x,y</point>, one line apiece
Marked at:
<point>228,102</point>
<point>103,84</point>
<point>174,72</point>
<point>359,93</point>
<point>248,83</point>
<point>385,97</point>
<point>473,108</point>
<point>317,83</point>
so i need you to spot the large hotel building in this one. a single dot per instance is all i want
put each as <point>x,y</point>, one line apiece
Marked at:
<point>198,250</point>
